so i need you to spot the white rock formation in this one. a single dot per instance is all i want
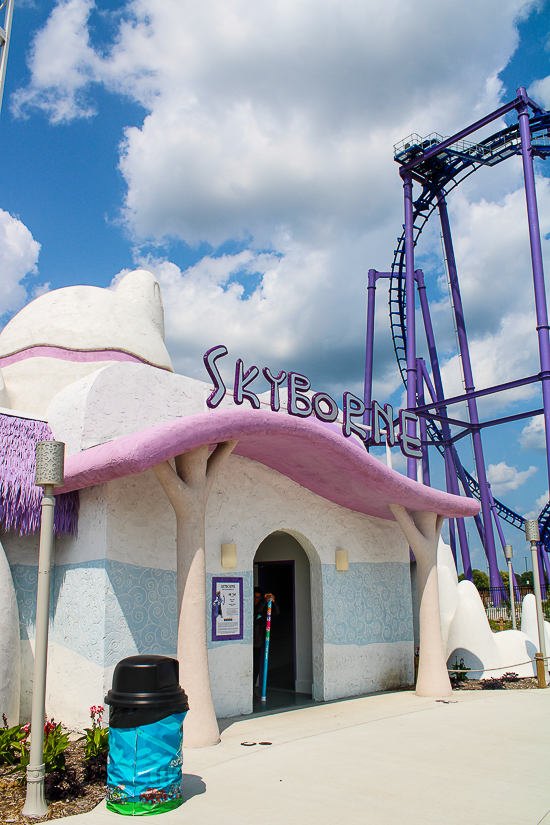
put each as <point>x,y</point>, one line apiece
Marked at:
<point>467,634</point>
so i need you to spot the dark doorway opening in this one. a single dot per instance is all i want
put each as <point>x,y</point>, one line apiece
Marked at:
<point>277,577</point>
<point>281,567</point>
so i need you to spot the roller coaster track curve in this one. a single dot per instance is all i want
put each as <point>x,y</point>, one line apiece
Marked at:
<point>441,174</point>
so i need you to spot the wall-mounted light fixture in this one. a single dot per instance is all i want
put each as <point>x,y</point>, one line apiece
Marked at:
<point>342,560</point>
<point>229,555</point>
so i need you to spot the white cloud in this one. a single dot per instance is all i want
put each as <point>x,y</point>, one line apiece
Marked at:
<point>540,91</point>
<point>18,258</point>
<point>272,124</point>
<point>274,323</point>
<point>540,503</point>
<point>493,261</point>
<point>62,64</point>
<point>272,116</point>
<point>506,479</point>
<point>532,437</point>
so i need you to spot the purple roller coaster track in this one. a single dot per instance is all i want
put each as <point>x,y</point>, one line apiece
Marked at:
<point>438,165</point>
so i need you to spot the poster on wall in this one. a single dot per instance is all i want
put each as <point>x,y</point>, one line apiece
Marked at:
<point>227,608</point>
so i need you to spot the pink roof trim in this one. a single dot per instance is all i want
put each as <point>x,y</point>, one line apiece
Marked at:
<point>306,451</point>
<point>77,355</point>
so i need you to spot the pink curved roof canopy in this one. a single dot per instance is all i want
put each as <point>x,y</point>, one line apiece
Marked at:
<point>310,453</point>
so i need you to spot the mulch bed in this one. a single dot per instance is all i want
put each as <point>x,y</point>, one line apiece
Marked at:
<point>12,795</point>
<point>524,683</point>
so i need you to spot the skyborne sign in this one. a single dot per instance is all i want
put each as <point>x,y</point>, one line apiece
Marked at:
<point>322,405</point>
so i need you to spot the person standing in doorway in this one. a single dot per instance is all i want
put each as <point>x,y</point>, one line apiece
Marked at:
<point>260,617</point>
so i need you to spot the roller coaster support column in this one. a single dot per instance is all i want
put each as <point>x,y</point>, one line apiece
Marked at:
<point>371,297</point>
<point>420,368</point>
<point>494,573</point>
<point>536,261</point>
<point>503,541</point>
<point>410,316</point>
<point>437,395</point>
<point>513,582</point>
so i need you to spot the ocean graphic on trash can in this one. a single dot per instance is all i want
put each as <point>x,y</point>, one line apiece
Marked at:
<point>144,770</point>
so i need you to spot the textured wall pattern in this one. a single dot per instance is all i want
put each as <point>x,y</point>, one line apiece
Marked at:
<point>25,580</point>
<point>106,610</point>
<point>77,609</point>
<point>103,610</point>
<point>367,604</point>
<point>140,611</point>
<point>248,603</point>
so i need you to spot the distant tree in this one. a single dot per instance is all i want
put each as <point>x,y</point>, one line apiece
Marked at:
<point>505,579</point>
<point>525,579</point>
<point>481,580</point>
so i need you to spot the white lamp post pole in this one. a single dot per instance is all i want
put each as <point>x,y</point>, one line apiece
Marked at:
<point>509,553</point>
<point>533,536</point>
<point>49,474</point>
<point>5,42</point>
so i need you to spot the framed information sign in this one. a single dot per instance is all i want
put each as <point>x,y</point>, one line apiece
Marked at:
<point>227,608</point>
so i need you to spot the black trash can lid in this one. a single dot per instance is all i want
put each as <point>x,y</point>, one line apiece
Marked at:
<point>146,681</point>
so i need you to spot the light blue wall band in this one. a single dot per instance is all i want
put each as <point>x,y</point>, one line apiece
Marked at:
<point>106,610</point>
<point>367,604</point>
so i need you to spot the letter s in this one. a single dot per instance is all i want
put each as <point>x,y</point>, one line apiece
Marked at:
<point>210,359</point>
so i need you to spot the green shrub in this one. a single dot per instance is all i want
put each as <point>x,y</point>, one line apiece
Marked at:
<point>97,738</point>
<point>458,667</point>
<point>55,744</point>
<point>10,739</point>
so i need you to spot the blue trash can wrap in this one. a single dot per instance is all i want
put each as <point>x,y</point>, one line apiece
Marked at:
<point>147,709</point>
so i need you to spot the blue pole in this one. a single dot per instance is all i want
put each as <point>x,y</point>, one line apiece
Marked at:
<point>266,651</point>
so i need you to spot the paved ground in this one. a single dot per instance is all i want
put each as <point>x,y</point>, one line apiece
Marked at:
<point>388,759</point>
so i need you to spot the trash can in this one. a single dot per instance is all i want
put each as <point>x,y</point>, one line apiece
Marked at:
<point>147,709</point>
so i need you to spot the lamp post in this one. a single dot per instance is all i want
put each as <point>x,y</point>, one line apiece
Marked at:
<point>509,554</point>
<point>533,536</point>
<point>49,474</point>
<point>5,42</point>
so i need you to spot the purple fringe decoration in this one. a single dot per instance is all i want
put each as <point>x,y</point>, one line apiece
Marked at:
<point>20,498</point>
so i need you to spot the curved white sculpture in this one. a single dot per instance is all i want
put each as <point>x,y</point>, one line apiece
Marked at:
<point>68,333</point>
<point>9,644</point>
<point>467,634</point>
<point>529,621</point>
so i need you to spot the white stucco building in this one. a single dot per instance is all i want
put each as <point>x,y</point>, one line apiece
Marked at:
<point>91,365</point>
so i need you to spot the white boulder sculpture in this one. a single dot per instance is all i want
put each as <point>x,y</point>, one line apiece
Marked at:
<point>467,634</point>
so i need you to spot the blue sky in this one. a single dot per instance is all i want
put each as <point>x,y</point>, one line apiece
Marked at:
<point>243,153</point>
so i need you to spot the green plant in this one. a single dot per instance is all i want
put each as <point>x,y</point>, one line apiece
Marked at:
<point>97,738</point>
<point>459,675</point>
<point>494,624</point>
<point>55,744</point>
<point>10,739</point>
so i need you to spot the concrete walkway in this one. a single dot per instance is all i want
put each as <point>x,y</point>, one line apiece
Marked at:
<point>483,758</point>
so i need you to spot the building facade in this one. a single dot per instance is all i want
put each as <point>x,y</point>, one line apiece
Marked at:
<point>303,507</point>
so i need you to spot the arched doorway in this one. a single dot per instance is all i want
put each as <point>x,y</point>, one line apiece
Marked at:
<point>281,566</point>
